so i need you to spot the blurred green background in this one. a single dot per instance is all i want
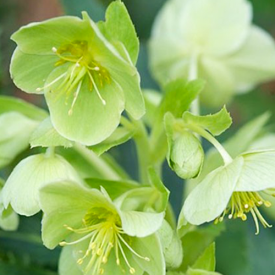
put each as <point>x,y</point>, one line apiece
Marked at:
<point>239,252</point>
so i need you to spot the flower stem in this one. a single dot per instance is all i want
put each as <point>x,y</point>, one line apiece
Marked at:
<point>102,167</point>
<point>143,151</point>
<point>192,75</point>
<point>224,154</point>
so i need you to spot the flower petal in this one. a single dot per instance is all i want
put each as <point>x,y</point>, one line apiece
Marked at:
<point>22,187</point>
<point>90,121</point>
<point>215,27</point>
<point>254,61</point>
<point>67,264</point>
<point>66,203</point>
<point>29,71</point>
<point>140,224</point>
<point>210,197</point>
<point>258,171</point>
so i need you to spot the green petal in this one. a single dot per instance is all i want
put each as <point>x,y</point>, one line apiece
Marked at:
<point>123,73</point>
<point>215,27</point>
<point>40,38</point>
<point>254,62</point>
<point>210,197</point>
<point>207,260</point>
<point>22,187</point>
<point>258,171</point>
<point>140,224</point>
<point>119,27</point>
<point>29,71</point>
<point>16,130</point>
<point>67,264</point>
<point>220,83</point>
<point>57,200</point>
<point>149,247</point>
<point>191,271</point>
<point>90,121</point>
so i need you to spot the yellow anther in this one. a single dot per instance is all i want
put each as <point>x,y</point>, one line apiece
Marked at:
<point>62,243</point>
<point>117,261</point>
<point>80,261</point>
<point>230,216</point>
<point>101,271</point>
<point>104,260</point>
<point>99,252</point>
<point>246,206</point>
<point>147,259</point>
<point>54,49</point>
<point>132,270</point>
<point>267,203</point>
<point>244,217</point>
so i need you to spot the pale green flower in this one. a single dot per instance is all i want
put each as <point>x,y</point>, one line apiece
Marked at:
<point>22,186</point>
<point>230,53</point>
<point>100,236</point>
<point>86,74</point>
<point>234,189</point>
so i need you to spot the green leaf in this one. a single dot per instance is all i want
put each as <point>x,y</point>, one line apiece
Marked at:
<point>192,271</point>
<point>215,124</point>
<point>195,242</point>
<point>113,188</point>
<point>46,136</point>
<point>12,104</point>
<point>207,260</point>
<point>16,130</point>
<point>119,28</point>
<point>22,187</point>
<point>119,136</point>
<point>184,92</point>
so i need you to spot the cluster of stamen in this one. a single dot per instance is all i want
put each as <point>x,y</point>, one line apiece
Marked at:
<point>105,235</point>
<point>242,203</point>
<point>82,64</point>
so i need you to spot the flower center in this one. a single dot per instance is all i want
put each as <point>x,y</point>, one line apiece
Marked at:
<point>242,203</point>
<point>103,229</point>
<point>78,55</point>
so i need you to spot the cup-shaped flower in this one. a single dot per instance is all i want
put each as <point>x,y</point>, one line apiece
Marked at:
<point>234,189</point>
<point>98,235</point>
<point>230,53</point>
<point>86,82</point>
<point>22,187</point>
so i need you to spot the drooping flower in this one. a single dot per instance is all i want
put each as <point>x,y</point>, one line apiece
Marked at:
<point>230,53</point>
<point>98,235</point>
<point>234,190</point>
<point>22,187</point>
<point>86,80</point>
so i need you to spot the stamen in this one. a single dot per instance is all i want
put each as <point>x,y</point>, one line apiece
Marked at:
<point>96,89</point>
<point>75,98</point>
<point>50,84</point>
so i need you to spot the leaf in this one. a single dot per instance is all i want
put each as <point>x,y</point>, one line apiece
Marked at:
<point>119,28</point>
<point>113,188</point>
<point>119,136</point>
<point>12,104</point>
<point>215,124</point>
<point>207,261</point>
<point>46,136</point>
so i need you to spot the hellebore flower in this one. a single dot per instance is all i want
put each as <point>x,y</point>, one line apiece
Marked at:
<point>86,81</point>
<point>230,53</point>
<point>22,187</point>
<point>234,189</point>
<point>97,234</point>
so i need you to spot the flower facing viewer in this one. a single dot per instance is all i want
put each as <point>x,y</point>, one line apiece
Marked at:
<point>97,234</point>
<point>217,37</point>
<point>87,81</point>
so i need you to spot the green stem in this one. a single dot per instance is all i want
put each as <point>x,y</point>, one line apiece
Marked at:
<point>102,167</point>
<point>192,75</point>
<point>143,151</point>
<point>224,154</point>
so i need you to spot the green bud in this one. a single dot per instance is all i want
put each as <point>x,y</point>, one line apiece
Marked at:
<point>186,155</point>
